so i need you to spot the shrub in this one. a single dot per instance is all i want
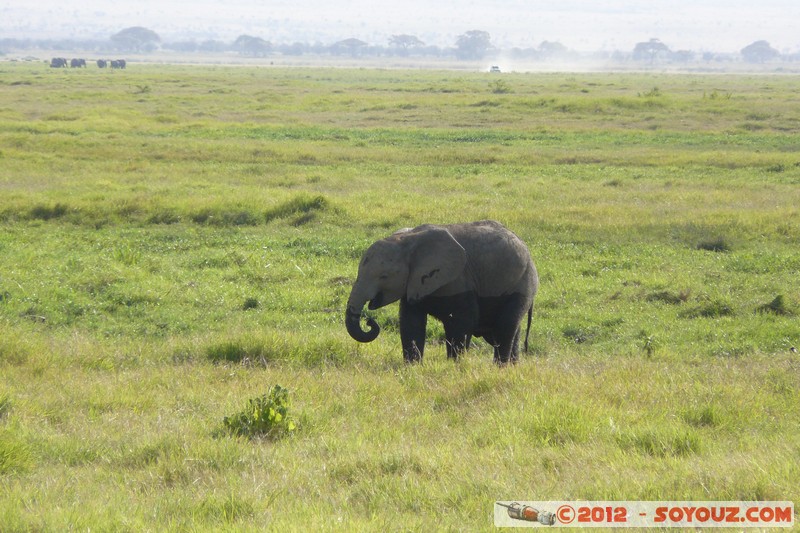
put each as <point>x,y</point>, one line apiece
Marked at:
<point>668,297</point>
<point>715,245</point>
<point>250,303</point>
<point>655,92</point>
<point>164,216</point>
<point>650,343</point>
<point>225,218</point>
<point>303,205</point>
<point>44,212</point>
<point>709,309</point>
<point>499,87</point>
<point>777,307</point>
<point>265,416</point>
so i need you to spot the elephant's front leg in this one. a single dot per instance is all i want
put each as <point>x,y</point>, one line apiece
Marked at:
<point>413,321</point>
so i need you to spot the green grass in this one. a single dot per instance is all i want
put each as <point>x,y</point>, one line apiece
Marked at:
<point>167,255</point>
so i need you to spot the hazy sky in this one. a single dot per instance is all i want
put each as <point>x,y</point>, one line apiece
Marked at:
<point>584,25</point>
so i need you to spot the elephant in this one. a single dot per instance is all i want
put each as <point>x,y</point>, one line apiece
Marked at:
<point>59,62</point>
<point>102,63</point>
<point>477,278</point>
<point>77,63</point>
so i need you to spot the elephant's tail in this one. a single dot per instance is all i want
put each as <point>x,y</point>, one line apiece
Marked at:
<point>528,331</point>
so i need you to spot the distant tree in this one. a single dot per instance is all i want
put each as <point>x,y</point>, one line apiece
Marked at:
<point>432,51</point>
<point>525,53</point>
<point>294,49</point>
<point>550,49</point>
<point>650,50</point>
<point>136,39</point>
<point>247,45</point>
<point>404,42</point>
<point>212,45</point>
<point>351,47</point>
<point>759,52</point>
<point>682,56</point>
<point>181,46</point>
<point>473,45</point>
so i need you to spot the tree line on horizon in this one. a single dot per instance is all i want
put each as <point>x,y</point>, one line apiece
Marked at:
<point>472,45</point>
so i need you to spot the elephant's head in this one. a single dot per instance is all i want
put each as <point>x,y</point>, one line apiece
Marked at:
<point>409,264</point>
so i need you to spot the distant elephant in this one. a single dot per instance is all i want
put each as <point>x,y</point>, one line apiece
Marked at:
<point>58,62</point>
<point>102,63</point>
<point>118,63</point>
<point>476,278</point>
<point>77,63</point>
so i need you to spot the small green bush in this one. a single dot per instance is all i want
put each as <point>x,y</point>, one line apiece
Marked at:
<point>250,303</point>
<point>709,309</point>
<point>45,212</point>
<point>715,245</point>
<point>499,87</point>
<point>650,343</point>
<point>265,416</point>
<point>776,307</point>
<point>668,297</point>
<point>304,206</point>
<point>655,92</point>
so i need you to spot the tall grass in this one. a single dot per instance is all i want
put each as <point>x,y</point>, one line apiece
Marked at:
<point>168,255</point>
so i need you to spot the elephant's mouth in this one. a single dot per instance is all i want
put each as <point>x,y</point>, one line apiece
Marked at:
<point>376,303</point>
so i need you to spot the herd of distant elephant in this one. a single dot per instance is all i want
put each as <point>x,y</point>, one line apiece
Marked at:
<point>62,62</point>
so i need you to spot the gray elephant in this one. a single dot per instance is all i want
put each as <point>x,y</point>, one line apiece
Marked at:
<point>476,278</point>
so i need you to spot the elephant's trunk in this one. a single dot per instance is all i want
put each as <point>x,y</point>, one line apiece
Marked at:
<point>352,320</point>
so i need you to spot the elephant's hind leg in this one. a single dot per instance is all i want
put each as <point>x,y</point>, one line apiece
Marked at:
<point>507,331</point>
<point>507,348</point>
<point>515,347</point>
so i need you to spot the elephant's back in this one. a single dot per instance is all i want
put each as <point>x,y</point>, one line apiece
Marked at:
<point>498,262</point>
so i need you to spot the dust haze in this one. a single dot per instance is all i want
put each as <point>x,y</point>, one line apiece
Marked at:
<point>591,25</point>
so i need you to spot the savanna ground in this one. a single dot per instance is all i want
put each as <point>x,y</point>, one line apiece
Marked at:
<point>176,240</point>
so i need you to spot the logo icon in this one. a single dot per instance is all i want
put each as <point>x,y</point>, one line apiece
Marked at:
<point>527,513</point>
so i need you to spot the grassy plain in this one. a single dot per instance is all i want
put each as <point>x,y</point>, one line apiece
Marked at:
<point>175,240</point>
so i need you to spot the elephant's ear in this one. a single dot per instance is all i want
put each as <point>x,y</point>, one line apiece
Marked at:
<point>436,260</point>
